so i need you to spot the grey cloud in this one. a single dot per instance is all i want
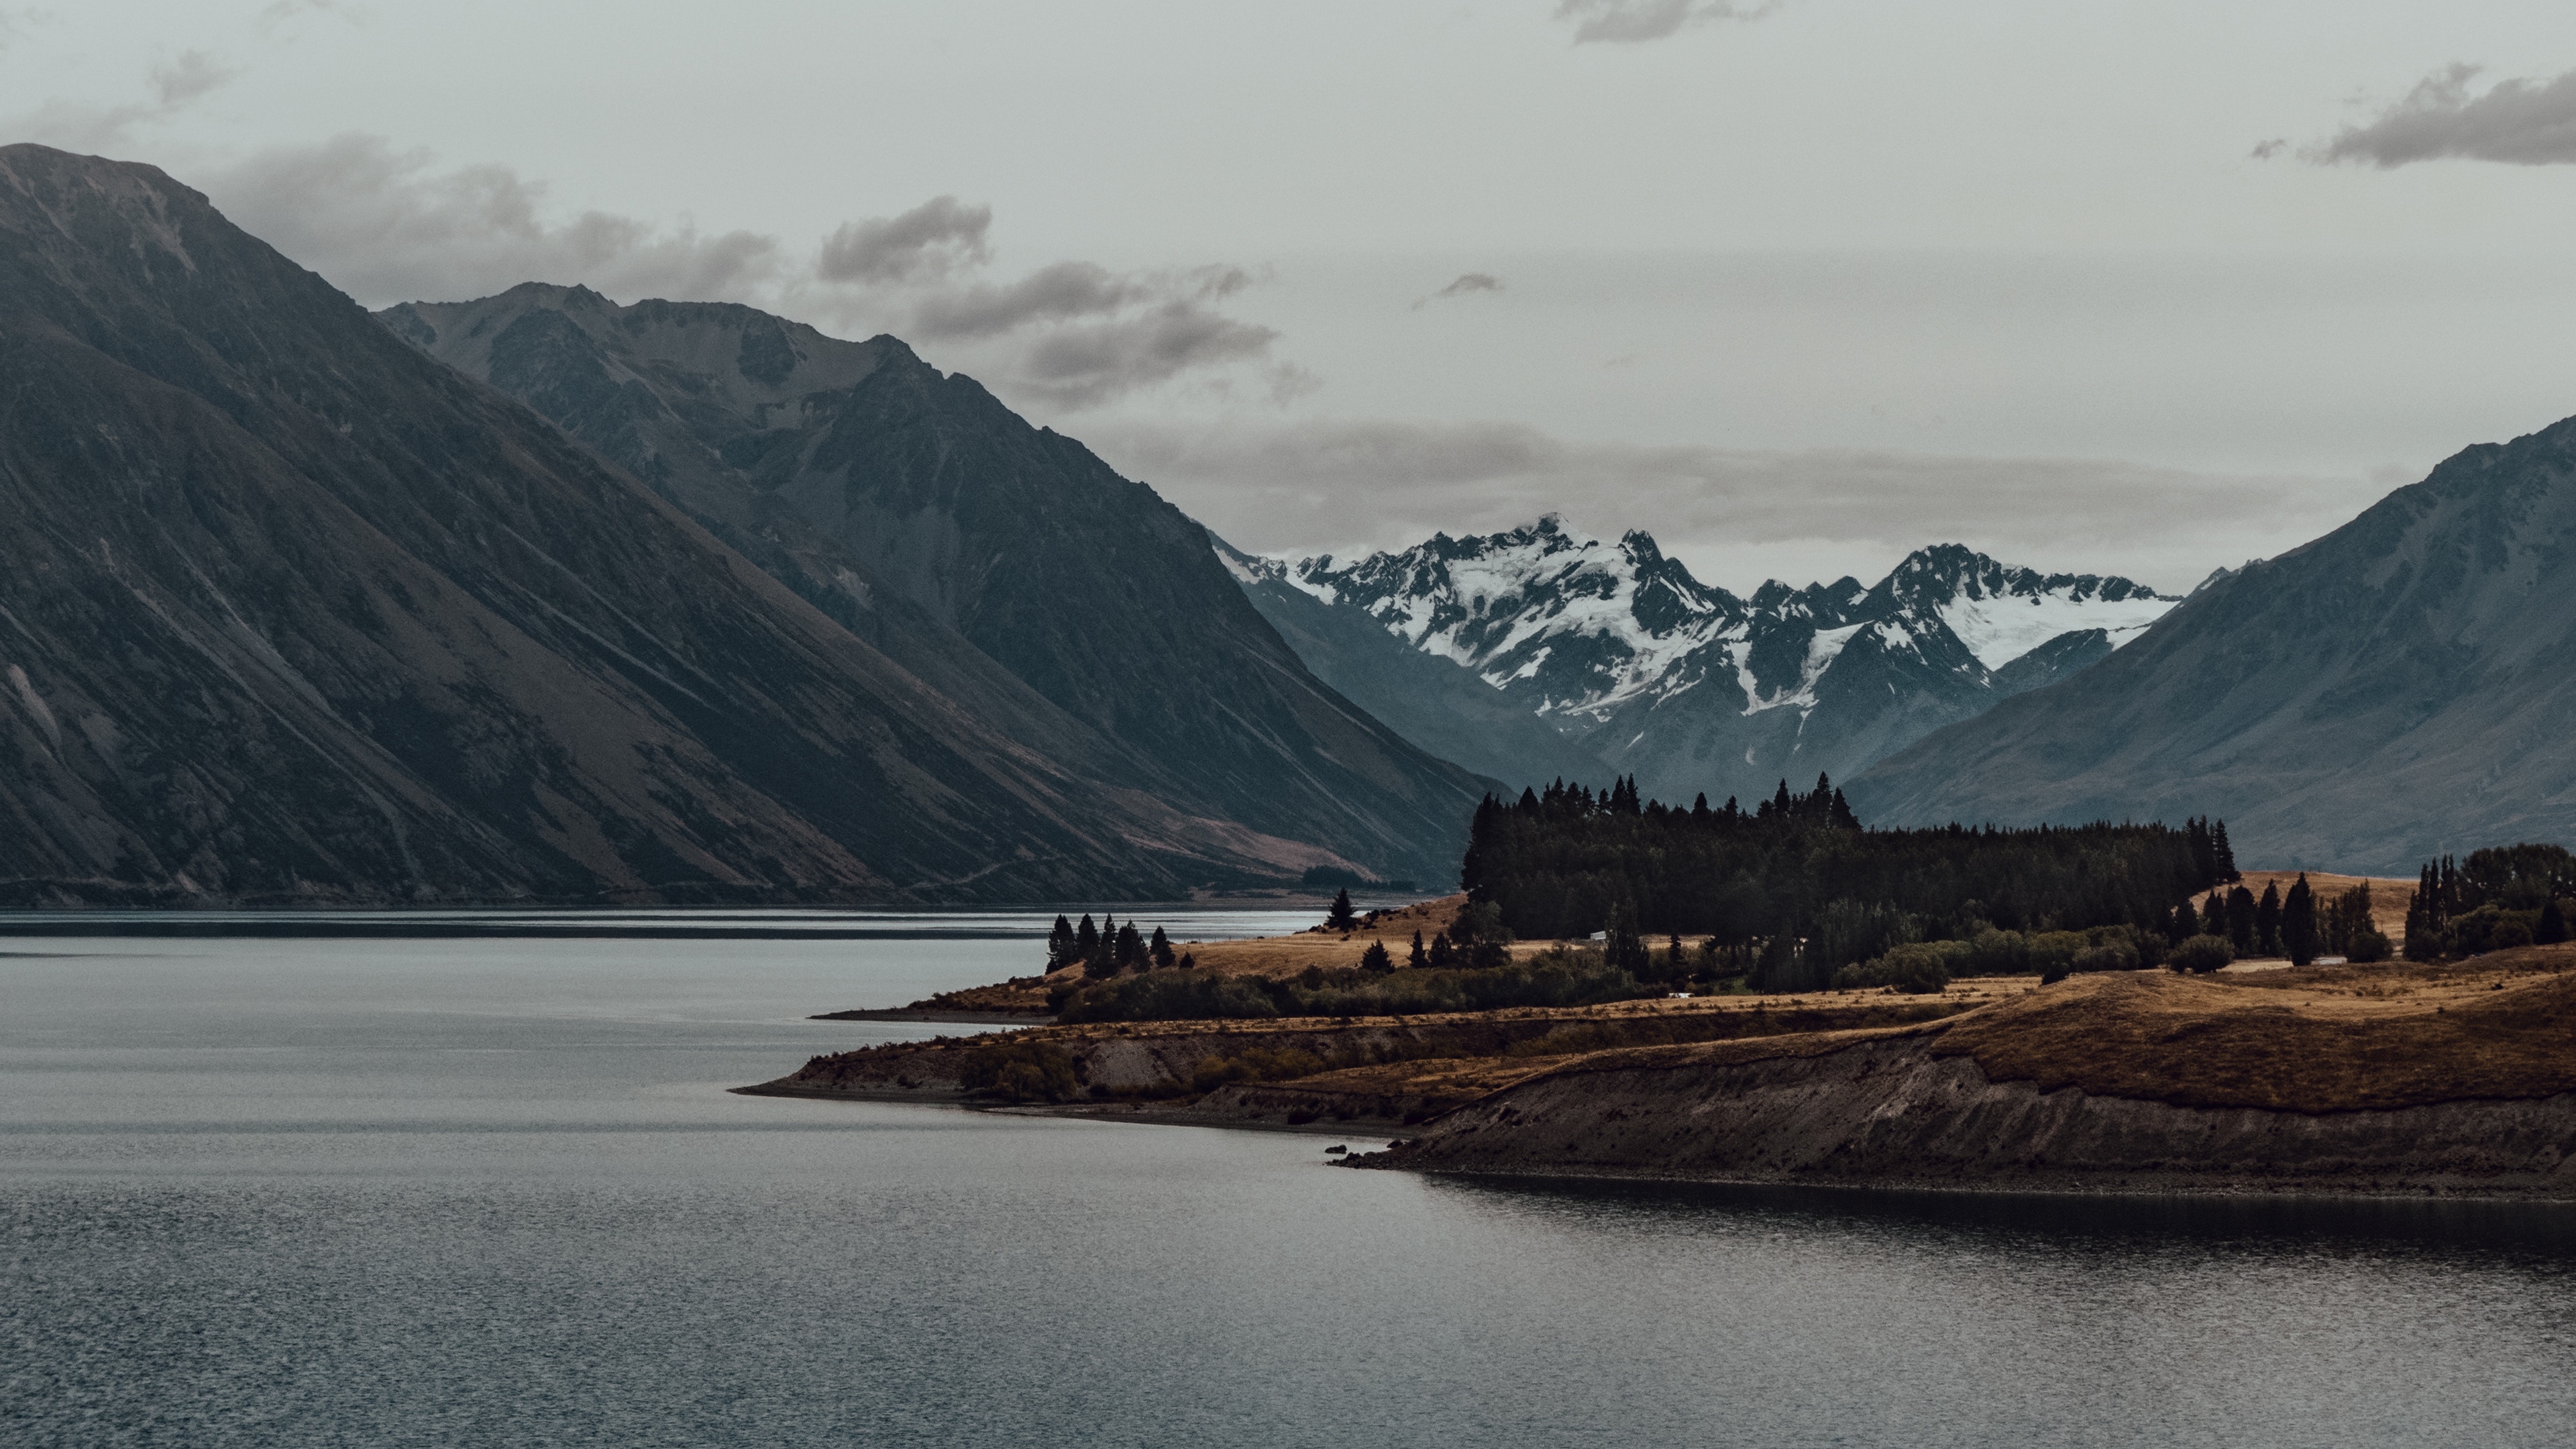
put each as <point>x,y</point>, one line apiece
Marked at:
<point>2523,122</point>
<point>391,226</point>
<point>1055,293</point>
<point>278,12</point>
<point>2266,150</point>
<point>387,226</point>
<point>176,84</point>
<point>193,74</point>
<point>1467,283</point>
<point>1353,485</point>
<point>1088,364</point>
<point>932,240</point>
<point>1630,21</point>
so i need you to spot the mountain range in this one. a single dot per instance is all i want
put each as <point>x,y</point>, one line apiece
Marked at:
<point>2404,686</point>
<point>1632,666</point>
<point>297,612</point>
<point>539,597</point>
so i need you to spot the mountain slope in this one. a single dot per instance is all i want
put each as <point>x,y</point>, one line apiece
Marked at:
<point>1648,671</point>
<point>855,469</point>
<point>293,613</point>
<point>2403,686</point>
<point>1436,703</point>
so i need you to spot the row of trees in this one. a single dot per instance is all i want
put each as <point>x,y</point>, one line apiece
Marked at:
<point>1108,948</point>
<point>2501,897</point>
<point>2298,924</point>
<point>1797,888</point>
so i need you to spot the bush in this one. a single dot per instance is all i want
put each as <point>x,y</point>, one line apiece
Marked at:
<point>2201,954</point>
<point>1020,1071</point>
<point>2370,945</point>
<point>1917,968</point>
<point>2109,956</point>
<point>1482,922</point>
<point>2508,933</point>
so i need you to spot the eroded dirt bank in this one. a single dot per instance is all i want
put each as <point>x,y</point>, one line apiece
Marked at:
<point>2137,1083</point>
<point>1890,1113</point>
<point>1386,1071</point>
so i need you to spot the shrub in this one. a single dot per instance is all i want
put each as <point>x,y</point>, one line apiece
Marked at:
<point>1917,968</point>
<point>2109,956</point>
<point>2508,933</point>
<point>1481,922</point>
<point>2370,945</point>
<point>2201,954</point>
<point>1997,953</point>
<point>1020,1071</point>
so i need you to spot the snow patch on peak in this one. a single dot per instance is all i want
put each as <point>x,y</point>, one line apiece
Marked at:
<point>2000,628</point>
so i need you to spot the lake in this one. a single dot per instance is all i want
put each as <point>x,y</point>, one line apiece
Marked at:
<point>491,1190</point>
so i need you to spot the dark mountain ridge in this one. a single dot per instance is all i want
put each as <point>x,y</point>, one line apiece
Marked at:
<point>2403,687</point>
<point>296,614</point>
<point>855,471</point>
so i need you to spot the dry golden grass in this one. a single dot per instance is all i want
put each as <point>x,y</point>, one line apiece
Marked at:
<point>2321,1039</point>
<point>2318,1039</point>
<point>1335,951</point>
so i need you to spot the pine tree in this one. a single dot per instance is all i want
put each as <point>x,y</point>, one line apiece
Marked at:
<point>1159,950</point>
<point>2267,921</point>
<point>1086,938</point>
<point>1418,958</point>
<point>2299,923</point>
<point>1131,949</point>
<point>1060,946</point>
<point>1375,959</point>
<point>2225,854</point>
<point>2213,916</point>
<point>1443,955</point>
<point>2240,920</point>
<point>1622,948</point>
<point>2196,834</point>
<point>2184,924</point>
<point>1342,917</point>
<point>2553,925</point>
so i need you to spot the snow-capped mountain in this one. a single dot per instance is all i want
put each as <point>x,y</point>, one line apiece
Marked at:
<point>1693,688</point>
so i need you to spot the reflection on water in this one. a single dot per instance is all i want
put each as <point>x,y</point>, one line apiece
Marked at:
<point>492,1192</point>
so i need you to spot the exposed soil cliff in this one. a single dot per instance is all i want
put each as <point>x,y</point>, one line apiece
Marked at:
<point>2460,1080</point>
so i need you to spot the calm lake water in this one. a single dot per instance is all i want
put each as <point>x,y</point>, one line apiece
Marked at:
<point>491,1191</point>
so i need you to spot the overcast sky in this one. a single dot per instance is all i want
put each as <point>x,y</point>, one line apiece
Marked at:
<point>1796,287</point>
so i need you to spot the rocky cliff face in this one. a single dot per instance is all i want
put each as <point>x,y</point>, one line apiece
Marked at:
<point>1890,1113</point>
<point>856,472</point>
<point>295,613</point>
<point>2402,687</point>
<point>1642,669</point>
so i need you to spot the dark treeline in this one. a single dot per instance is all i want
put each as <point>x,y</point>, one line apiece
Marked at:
<point>2501,897</point>
<point>1796,887</point>
<point>1108,948</point>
